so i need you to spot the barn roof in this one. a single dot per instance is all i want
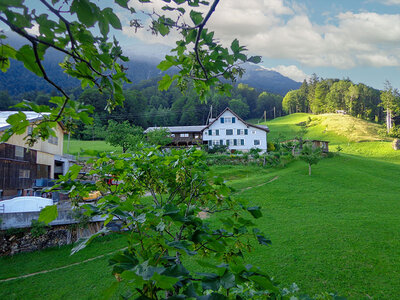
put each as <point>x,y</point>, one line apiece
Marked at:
<point>178,129</point>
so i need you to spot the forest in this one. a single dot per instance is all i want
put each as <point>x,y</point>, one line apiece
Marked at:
<point>332,95</point>
<point>146,105</point>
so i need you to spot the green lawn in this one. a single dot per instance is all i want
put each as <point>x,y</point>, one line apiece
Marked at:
<point>335,231</point>
<point>77,147</point>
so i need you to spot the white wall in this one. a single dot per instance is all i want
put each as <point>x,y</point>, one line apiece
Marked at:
<point>253,134</point>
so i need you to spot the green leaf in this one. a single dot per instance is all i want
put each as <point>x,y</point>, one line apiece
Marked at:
<point>196,17</point>
<point>164,282</point>
<point>112,18</point>
<point>228,280</point>
<point>235,46</point>
<point>104,26</point>
<point>263,240</point>
<point>48,214</point>
<point>85,12</point>
<point>254,59</point>
<point>165,65</point>
<point>165,83</point>
<point>255,211</point>
<point>122,3</point>
<point>26,55</point>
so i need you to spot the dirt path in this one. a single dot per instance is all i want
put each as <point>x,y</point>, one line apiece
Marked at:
<point>59,268</point>
<point>252,187</point>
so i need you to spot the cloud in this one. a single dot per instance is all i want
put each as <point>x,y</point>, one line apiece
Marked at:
<point>391,2</point>
<point>282,29</point>
<point>291,71</point>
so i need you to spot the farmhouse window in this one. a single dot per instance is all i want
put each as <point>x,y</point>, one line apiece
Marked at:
<point>229,132</point>
<point>228,142</point>
<point>246,132</point>
<point>19,151</point>
<point>217,132</point>
<point>256,142</point>
<point>222,120</point>
<point>235,142</point>
<point>210,143</point>
<point>242,142</point>
<point>209,132</point>
<point>53,140</point>
<point>184,135</point>
<point>253,132</point>
<point>221,142</point>
<point>233,120</point>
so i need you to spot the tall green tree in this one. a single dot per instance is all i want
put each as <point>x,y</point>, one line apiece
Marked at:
<point>123,135</point>
<point>239,107</point>
<point>390,101</point>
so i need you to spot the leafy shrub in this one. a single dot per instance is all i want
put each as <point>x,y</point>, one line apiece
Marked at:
<point>38,228</point>
<point>270,147</point>
<point>394,132</point>
<point>217,149</point>
<point>255,152</point>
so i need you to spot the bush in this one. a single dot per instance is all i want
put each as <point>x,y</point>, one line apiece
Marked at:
<point>38,228</point>
<point>217,149</point>
<point>270,146</point>
<point>394,132</point>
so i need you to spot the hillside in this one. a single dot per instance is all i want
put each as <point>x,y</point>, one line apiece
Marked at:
<point>355,136</point>
<point>138,68</point>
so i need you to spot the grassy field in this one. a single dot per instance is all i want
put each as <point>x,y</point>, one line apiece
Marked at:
<point>77,147</point>
<point>336,231</point>
<point>355,136</point>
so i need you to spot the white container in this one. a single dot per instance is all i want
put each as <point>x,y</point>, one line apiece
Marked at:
<point>24,204</point>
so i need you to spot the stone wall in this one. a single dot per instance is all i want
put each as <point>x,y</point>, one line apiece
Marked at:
<point>15,241</point>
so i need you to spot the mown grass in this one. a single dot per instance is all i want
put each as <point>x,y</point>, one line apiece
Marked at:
<point>84,281</point>
<point>336,230</point>
<point>77,147</point>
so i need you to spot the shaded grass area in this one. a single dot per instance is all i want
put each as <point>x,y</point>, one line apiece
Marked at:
<point>84,281</point>
<point>26,263</point>
<point>76,147</point>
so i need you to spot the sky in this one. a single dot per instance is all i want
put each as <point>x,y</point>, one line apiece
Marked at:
<point>355,39</point>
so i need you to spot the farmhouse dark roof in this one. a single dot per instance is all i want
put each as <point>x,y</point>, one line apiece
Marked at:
<point>262,127</point>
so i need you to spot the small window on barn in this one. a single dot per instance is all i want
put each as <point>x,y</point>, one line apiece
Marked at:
<point>19,151</point>
<point>184,135</point>
<point>23,174</point>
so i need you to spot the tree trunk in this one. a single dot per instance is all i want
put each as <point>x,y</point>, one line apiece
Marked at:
<point>309,169</point>
<point>388,120</point>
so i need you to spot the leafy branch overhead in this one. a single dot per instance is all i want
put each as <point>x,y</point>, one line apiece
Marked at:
<point>79,29</point>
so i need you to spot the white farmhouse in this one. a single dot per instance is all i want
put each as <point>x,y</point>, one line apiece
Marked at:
<point>230,130</point>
